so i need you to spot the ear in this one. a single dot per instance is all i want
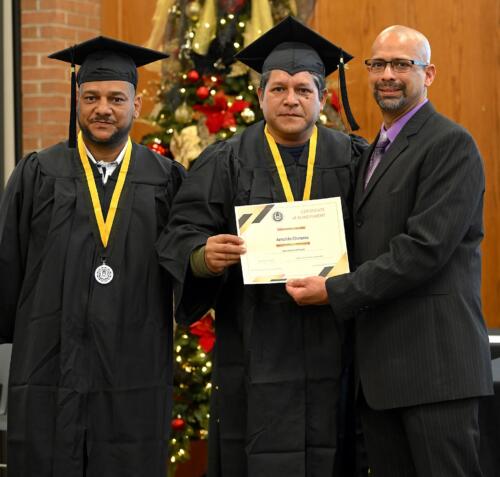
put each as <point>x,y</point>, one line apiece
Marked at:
<point>323,98</point>
<point>137,106</point>
<point>260,95</point>
<point>430,74</point>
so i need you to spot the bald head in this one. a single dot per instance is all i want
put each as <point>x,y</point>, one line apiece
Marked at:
<point>407,38</point>
<point>397,90</point>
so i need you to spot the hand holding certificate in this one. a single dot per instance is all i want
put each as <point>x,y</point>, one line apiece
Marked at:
<point>292,240</point>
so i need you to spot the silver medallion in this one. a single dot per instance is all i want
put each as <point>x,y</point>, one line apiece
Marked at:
<point>103,274</point>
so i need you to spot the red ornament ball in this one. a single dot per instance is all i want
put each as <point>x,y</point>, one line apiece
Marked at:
<point>159,148</point>
<point>193,76</point>
<point>178,424</point>
<point>202,92</point>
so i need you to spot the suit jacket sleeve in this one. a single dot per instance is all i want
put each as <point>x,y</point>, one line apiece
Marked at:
<point>448,197</point>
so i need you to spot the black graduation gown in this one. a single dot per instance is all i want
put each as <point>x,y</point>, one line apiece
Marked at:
<point>91,373</point>
<point>276,365</point>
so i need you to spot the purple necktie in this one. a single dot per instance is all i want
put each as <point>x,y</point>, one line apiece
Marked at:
<point>377,154</point>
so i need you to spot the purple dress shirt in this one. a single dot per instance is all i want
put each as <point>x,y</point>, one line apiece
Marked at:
<point>387,137</point>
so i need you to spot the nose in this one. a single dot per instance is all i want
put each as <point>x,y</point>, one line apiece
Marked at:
<point>103,106</point>
<point>291,97</point>
<point>388,72</point>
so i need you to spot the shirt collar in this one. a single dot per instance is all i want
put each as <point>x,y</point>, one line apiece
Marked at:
<point>395,129</point>
<point>116,162</point>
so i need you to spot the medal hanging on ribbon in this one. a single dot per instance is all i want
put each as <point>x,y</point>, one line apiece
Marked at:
<point>311,158</point>
<point>104,273</point>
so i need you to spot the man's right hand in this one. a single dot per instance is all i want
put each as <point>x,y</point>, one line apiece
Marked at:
<point>223,250</point>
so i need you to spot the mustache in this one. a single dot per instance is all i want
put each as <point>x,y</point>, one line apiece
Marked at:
<point>102,119</point>
<point>390,84</point>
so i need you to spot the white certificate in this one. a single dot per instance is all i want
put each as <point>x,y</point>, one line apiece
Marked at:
<point>292,240</point>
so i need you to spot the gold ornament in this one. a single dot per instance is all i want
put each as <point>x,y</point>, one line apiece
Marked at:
<point>248,115</point>
<point>183,114</point>
<point>237,69</point>
<point>193,9</point>
<point>323,118</point>
<point>185,146</point>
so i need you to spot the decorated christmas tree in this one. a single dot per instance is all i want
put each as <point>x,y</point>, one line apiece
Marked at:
<point>205,96</point>
<point>192,351</point>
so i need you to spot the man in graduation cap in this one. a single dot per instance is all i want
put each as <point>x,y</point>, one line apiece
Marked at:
<point>82,296</point>
<point>277,366</point>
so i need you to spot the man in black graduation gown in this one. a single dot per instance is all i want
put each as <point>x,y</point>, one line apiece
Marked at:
<point>82,295</point>
<point>277,366</point>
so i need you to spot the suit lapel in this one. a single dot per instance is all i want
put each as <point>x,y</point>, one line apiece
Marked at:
<point>397,147</point>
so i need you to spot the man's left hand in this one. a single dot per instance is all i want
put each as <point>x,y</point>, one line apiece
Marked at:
<point>308,291</point>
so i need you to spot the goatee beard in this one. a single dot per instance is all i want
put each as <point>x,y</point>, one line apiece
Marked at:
<point>391,104</point>
<point>115,139</point>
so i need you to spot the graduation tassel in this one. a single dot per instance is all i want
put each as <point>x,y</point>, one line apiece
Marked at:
<point>72,114</point>
<point>343,92</point>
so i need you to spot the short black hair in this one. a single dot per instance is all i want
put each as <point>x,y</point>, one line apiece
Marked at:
<point>319,81</point>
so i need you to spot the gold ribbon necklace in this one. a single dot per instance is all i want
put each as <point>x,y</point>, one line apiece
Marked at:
<point>104,273</point>
<point>281,167</point>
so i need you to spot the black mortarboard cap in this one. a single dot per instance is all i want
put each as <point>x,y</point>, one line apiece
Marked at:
<point>103,59</point>
<point>292,47</point>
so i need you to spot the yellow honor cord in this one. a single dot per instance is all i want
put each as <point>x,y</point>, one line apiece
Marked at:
<point>281,168</point>
<point>104,225</point>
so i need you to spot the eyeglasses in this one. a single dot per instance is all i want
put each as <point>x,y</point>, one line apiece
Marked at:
<point>398,65</point>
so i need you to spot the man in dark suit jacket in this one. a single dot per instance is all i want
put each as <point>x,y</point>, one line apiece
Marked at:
<point>421,344</point>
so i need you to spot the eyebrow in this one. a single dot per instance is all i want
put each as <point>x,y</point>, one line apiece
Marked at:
<point>282,83</point>
<point>393,58</point>
<point>109,93</point>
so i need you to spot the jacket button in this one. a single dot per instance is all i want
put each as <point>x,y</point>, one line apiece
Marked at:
<point>359,223</point>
